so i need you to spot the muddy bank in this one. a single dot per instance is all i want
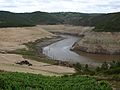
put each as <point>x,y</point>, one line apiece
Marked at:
<point>99,43</point>
<point>45,42</point>
<point>27,39</point>
<point>48,41</point>
<point>67,33</point>
<point>35,51</point>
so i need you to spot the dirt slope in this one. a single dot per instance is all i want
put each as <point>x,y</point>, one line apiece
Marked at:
<point>100,42</point>
<point>12,39</point>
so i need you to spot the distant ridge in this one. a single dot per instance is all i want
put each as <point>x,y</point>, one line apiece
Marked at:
<point>8,19</point>
<point>102,22</point>
<point>109,22</point>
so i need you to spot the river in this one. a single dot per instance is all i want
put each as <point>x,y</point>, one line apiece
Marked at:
<point>61,51</point>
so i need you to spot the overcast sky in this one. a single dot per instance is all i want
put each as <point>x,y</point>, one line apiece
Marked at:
<point>85,6</point>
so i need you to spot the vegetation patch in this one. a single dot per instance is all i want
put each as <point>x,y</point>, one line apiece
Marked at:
<point>107,71</point>
<point>112,68</point>
<point>21,81</point>
<point>108,23</point>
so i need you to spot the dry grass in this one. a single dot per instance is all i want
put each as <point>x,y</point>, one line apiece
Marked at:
<point>8,63</point>
<point>13,38</point>
<point>66,29</point>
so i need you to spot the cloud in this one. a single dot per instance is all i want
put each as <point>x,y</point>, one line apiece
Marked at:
<point>86,6</point>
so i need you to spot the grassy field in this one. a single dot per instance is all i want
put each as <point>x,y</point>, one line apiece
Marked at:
<point>21,81</point>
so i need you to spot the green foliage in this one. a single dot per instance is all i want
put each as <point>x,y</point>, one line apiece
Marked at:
<point>8,19</point>
<point>104,66</point>
<point>102,22</point>
<point>86,66</point>
<point>112,68</point>
<point>78,67</point>
<point>112,71</point>
<point>83,69</point>
<point>108,23</point>
<point>74,18</point>
<point>21,81</point>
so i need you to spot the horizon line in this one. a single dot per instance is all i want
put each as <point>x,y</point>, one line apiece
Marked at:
<point>59,12</point>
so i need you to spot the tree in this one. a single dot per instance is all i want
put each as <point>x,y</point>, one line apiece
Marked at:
<point>78,67</point>
<point>105,66</point>
<point>86,66</point>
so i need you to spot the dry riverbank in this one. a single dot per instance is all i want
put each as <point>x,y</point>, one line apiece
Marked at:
<point>13,39</point>
<point>66,29</point>
<point>100,43</point>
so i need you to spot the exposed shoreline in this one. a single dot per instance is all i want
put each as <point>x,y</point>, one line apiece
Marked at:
<point>16,50</point>
<point>99,43</point>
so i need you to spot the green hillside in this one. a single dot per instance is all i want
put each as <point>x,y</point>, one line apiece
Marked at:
<point>8,19</point>
<point>21,81</point>
<point>74,18</point>
<point>102,22</point>
<point>109,23</point>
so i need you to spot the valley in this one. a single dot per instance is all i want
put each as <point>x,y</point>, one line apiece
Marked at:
<point>56,44</point>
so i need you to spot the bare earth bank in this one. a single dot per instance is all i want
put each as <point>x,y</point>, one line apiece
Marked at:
<point>14,38</point>
<point>100,42</point>
<point>92,42</point>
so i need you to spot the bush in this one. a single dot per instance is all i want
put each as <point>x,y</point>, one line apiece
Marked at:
<point>21,81</point>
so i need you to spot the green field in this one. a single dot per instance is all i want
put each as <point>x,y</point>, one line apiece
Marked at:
<point>22,81</point>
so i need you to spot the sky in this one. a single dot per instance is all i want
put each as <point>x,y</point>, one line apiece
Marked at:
<point>84,6</point>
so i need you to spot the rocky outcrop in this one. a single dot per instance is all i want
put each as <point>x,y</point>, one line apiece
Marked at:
<point>99,43</point>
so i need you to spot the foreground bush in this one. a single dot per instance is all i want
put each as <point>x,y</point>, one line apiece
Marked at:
<point>21,81</point>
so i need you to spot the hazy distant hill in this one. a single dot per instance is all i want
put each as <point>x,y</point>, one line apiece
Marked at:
<point>74,18</point>
<point>102,22</point>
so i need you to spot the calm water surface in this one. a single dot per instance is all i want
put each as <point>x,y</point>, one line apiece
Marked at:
<point>61,51</point>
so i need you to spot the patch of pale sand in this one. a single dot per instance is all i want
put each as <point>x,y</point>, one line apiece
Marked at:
<point>13,38</point>
<point>7,63</point>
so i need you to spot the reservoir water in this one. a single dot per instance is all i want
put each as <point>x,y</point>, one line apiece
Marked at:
<point>61,51</point>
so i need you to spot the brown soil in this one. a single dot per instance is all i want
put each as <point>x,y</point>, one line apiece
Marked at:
<point>13,38</point>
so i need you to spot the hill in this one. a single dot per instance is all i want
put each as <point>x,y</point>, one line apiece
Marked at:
<point>74,18</point>
<point>9,19</point>
<point>102,22</point>
<point>108,23</point>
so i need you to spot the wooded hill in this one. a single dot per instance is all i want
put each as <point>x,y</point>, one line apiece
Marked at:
<point>108,22</point>
<point>8,19</point>
<point>102,22</point>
